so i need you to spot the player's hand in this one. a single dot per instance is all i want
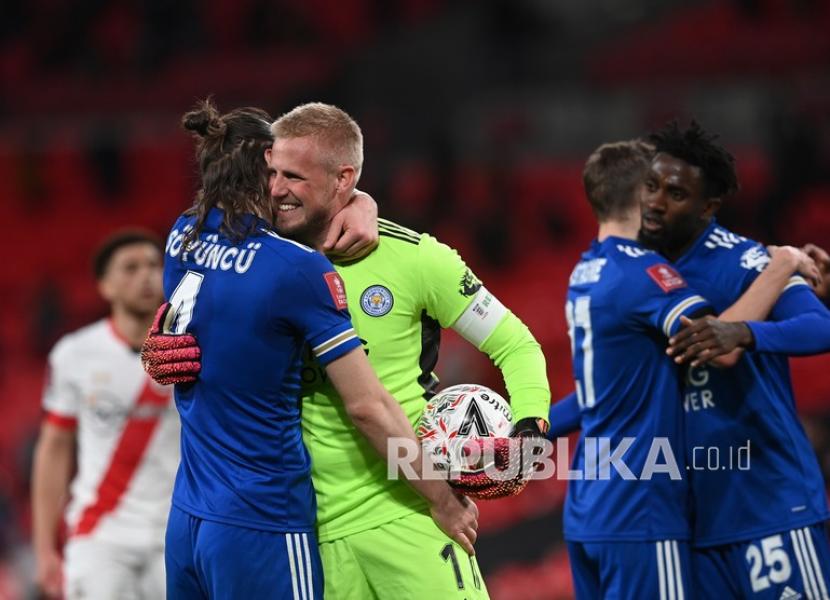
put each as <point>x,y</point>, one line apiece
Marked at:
<point>530,427</point>
<point>170,358</point>
<point>822,259</point>
<point>49,575</point>
<point>706,338</point>
<point>457,516</point>
<point>799,261</point>
<point>353,232</point>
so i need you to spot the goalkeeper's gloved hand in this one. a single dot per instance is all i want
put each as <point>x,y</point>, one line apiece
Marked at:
<point>507,457</point>
<point>530,427</point>
<point>170,358</point>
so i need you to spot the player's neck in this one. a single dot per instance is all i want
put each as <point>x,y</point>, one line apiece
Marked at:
<point>674,253</point>
<point>317,239</point>
<point>130,327</point>
<point>623,228</point>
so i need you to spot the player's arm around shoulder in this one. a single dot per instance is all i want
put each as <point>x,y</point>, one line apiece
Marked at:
<point>781,268</point>
<point>458,299</point>
<point>775,291</point>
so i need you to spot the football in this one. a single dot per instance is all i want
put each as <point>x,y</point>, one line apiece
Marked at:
<point>457,415</point>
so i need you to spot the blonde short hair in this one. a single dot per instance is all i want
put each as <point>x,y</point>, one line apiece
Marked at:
<point>337,133</point>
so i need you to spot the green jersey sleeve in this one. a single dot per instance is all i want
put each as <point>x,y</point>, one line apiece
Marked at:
<point>448,285</point>
<point>456,298</point>
<point>518,355</point>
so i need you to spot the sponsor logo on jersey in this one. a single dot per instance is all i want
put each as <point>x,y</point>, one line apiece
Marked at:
<point>666,277</point>
<point>470,284</point>
<point>790,594</point>
<point>106,410</point>
<point>755,259</point>
<point>337,289</point>
<point>376,300</point>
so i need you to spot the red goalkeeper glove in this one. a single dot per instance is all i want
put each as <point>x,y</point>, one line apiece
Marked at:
<point>513,461</point>
<point>170,358</point>
<point>508,474</point>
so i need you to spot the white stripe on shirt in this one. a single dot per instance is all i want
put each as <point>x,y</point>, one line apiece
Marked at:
<point>678,310</point>
<point>333,342</point>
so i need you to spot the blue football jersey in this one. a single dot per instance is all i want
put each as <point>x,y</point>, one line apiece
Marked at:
<point>252,306</point>
<point>623,303</point>
<point>753,469</point>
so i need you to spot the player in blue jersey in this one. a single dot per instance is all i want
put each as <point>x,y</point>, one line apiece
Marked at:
<point>242,522</point>
<point>759,510</point>
<point>626,526</point>
<point>626,518</point>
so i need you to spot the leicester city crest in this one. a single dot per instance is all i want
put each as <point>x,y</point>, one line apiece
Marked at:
<point>376,300</point>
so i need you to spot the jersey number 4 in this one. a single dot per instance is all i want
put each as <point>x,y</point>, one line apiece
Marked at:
<point>578,315</point>
<point>182,303</point>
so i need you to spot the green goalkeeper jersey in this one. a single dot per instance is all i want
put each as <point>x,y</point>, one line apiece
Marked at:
<point>400,296</point>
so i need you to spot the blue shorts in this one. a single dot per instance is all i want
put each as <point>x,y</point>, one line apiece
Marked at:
<point>789,565</point>
<point>210,560</point>
<point>630,570</point>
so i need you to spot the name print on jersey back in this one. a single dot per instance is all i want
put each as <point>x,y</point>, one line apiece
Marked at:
<point>252,305</point>
<point>209,253</point>
<point>623,301</point>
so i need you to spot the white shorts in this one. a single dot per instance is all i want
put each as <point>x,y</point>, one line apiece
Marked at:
<point>95,570</point>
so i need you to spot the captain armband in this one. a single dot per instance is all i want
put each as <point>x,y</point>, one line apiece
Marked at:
<point>480,318</point>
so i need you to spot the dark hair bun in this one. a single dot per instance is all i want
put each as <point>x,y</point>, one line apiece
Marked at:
<point>204,120</point>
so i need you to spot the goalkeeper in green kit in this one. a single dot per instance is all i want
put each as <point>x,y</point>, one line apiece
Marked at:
<point>376,536</point>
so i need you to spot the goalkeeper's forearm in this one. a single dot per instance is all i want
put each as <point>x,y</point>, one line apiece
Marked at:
<point>518,355</point>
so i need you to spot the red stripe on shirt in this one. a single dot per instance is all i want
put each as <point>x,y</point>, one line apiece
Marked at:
<point>125,459</point>
<point>61,421</point>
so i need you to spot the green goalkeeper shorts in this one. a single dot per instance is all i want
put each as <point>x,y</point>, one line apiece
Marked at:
<point>406,559</point>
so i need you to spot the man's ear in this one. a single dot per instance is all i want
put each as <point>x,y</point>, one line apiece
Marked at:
<point>105,289</point>
<point>346,179</point>
<point>712,207</point>
<point>268,155</point>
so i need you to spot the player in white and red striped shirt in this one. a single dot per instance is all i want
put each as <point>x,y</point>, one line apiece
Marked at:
<point>103,414</point>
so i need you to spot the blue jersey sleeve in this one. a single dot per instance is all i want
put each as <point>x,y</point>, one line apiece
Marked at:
<point>799,323</point>
<point>564,416</point>
<point>316,306</point>
<point>660,295</point>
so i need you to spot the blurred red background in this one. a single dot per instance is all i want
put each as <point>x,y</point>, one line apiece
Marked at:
<point>477,118</point>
